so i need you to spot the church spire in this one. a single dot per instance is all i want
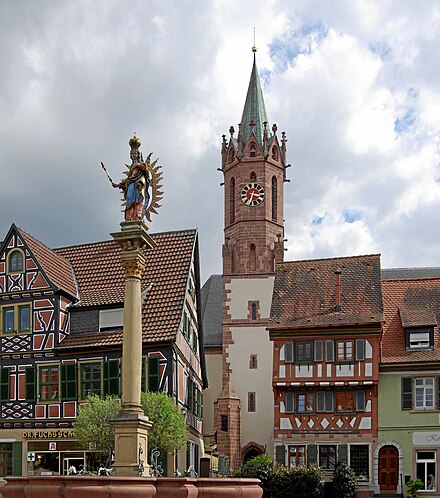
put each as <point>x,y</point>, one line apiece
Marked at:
<point>254,113</point>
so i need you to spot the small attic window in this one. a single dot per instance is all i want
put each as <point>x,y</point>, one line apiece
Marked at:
<point>417,339</point>
<point>15,261</point>
<point>111,319</point>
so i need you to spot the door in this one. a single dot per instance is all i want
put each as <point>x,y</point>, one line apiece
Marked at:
<point>388,468</point>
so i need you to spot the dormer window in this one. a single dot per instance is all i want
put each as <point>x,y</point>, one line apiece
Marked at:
<point>422,338</point>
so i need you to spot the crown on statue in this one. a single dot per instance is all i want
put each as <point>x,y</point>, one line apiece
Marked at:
<point>134,142</point>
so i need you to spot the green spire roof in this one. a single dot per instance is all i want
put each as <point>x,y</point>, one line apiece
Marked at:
<point>254,108</point>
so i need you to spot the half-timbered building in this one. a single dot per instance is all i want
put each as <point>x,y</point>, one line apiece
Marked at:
<point>325,324</point>
<point>61,317</point>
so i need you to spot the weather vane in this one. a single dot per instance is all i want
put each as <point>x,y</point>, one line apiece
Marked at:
<point>140,177</point>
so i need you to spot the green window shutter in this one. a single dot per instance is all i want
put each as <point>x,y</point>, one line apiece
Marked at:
<point>438,393</point>
<point>5,384</point>
<point>290,402</point>
<point>360,400</point>
<point>153,374</point>
<point>16,458</point>
<point>288,352</point>
<point>330,351</point>
<point>360,349</point>
<point>319,350</point>
<point>69,382</point>
<point>144,375</point>
<point>312,454</point>
<point>406,393</point>
<point>280,452</point>
<point>343,453</point>
<point>31,384</point>
<point>111,377</point>
<point>201,406</point>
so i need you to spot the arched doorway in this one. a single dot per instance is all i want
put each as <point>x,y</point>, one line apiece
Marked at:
<point>388,468</point>
<point>252,450</point>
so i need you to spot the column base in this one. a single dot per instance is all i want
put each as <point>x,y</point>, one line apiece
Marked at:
<point>131,444</point>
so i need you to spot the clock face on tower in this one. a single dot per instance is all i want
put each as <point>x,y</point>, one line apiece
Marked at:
<point>252,194</point>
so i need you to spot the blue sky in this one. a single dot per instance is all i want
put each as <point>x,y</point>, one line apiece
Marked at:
<point>353,84</point>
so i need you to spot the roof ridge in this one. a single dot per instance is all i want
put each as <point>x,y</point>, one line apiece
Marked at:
<point>328,259</point>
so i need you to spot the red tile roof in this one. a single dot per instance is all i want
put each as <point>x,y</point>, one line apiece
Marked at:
<point>409,303</point>
<point>100,278</point>
<point>57,268</point>
<point>305,293</point>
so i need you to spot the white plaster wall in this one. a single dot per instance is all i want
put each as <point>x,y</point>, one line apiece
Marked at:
<point>214,372</point>
<point>249,289</point>
<point>256,426</point>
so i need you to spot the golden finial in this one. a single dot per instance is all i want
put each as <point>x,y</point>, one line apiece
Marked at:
<point>254,48</point>
<point>134,142</point>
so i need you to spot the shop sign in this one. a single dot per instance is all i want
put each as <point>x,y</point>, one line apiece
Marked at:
<point>426,438</point>
<point>49,434</point>
<point>31,456</point>
<point>52,446</point>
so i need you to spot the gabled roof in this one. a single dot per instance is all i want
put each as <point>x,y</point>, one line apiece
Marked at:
<point>409,273</point>
<point>305,293</point>
<point>409,303</point>
<point>101,282</point>
<point>212,310</point>
<point>254,108</point>
<point>57,269</point>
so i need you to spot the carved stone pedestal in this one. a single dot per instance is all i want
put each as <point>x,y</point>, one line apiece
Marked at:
<point>131,435</point>
<point>131,426</point>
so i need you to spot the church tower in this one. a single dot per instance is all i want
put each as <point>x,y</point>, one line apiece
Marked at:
<point>254,169</point>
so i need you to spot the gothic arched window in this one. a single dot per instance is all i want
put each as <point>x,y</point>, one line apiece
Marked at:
<point>253,176</point>
<point>253,150</point>
<point>232,199</point>
<point>274,198</point>
<point>274,153</point>
<point>252,257</point>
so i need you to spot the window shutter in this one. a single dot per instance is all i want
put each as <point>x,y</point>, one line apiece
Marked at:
<point>111,377</point>
<point>360,350</point>
<point>330,351</point>
<point>288,352</point>
<point>312,454</point>
<point>31,391</point>
<point>68,381</point>
<point>153,374</point>
<point>438,392</point>
<point>5,384</point>
<point>329,401</point>
<point>343,453</point>
<point>279,454</point>
<point>16,458</point>
<point>360,400</point>
<point>320,401</point>
<point>406,399</point>
<point>319,350</point>
<point>196,458</point>
<point>290,403</point>
<point>144,375</point>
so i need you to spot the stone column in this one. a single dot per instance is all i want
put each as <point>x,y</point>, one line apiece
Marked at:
<point>131,426</point>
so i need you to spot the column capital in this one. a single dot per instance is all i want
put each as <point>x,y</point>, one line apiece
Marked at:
<point>134,240</point>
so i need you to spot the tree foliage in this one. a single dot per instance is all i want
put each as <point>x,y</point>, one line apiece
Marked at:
<point>169,432</point>
<point>344,482</point>
<point>92,424</point>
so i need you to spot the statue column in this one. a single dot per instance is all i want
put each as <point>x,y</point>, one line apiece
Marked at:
<point>131,426</point>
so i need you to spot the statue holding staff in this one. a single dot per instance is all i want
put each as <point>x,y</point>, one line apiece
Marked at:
<point>140,176</point>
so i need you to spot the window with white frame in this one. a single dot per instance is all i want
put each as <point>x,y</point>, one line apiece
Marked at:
<point>297,456</point>
<point>419,338</point>
<point>425,469</point>
<point>424,393</point>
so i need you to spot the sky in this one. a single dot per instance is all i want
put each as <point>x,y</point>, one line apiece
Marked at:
<point>354,84</point>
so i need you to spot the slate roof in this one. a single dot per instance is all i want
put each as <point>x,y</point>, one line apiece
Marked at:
<point>55,266</point>
<point>304,293</point>
<point>254,108</point>
<point>100,279</point>
<point>409,273</point>
<point>409,303</point>
<point>212,310</point>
